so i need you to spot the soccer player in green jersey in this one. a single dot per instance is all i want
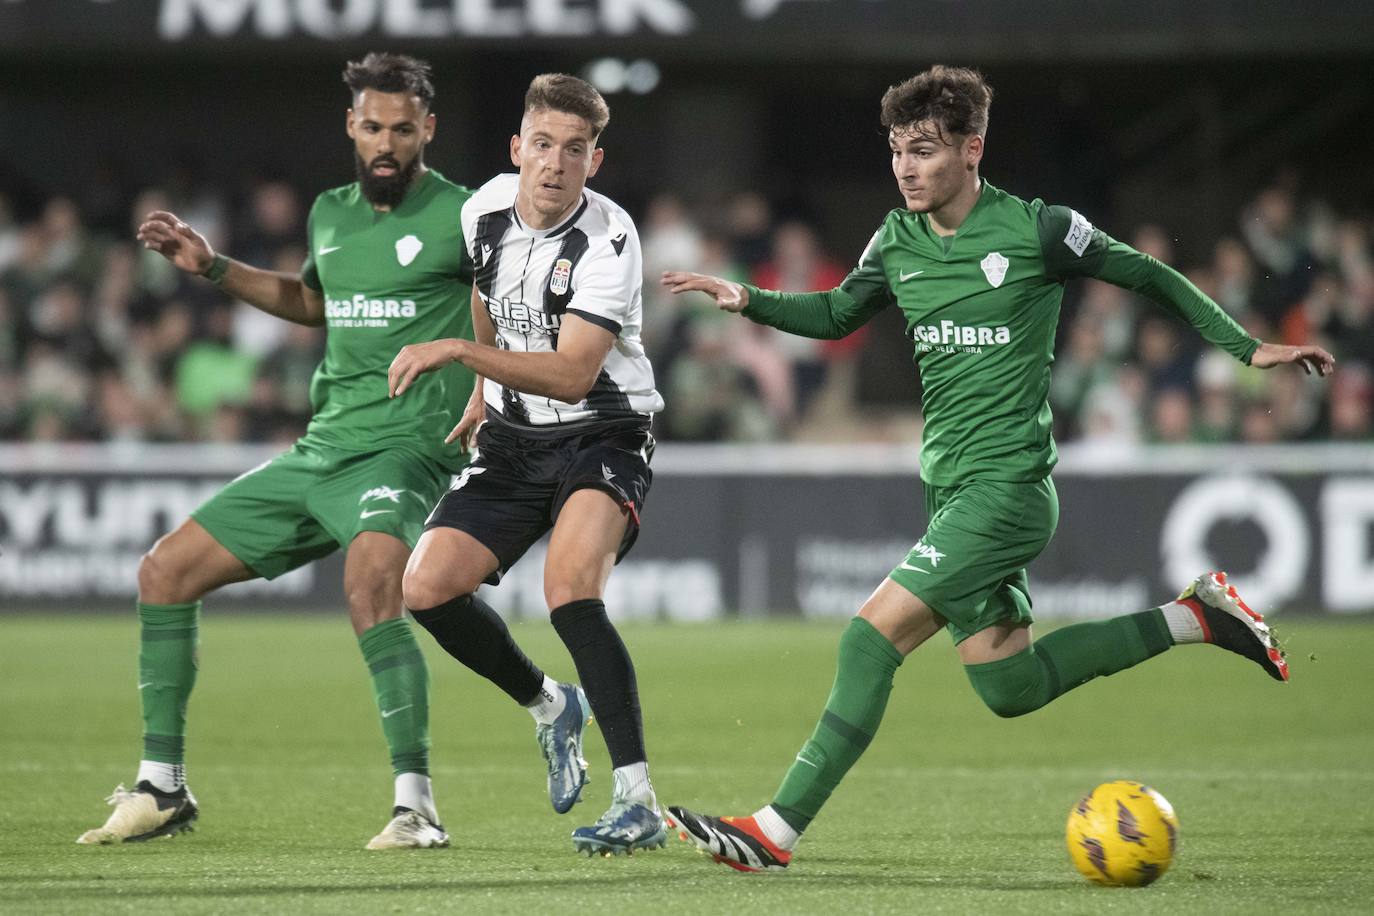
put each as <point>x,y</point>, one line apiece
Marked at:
<point>978,275</point>
<point>387,266</point>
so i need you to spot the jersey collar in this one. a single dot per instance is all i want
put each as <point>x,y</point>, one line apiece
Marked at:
<point>554,231</point>
<point>985,193</point>
<point>413,193</point>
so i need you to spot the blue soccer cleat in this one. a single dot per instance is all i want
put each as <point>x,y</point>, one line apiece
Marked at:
<point>561,744</point>
<point>625,827</point>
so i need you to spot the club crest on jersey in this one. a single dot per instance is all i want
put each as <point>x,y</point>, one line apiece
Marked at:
<point>994,267</point>
<point>558,280</point>
<point>407,247</point>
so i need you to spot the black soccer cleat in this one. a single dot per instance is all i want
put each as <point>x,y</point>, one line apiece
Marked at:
<point>738,842</point>
<point>1228,622</point>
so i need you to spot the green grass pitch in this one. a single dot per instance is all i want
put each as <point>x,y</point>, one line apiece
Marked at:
<point>951,811</point>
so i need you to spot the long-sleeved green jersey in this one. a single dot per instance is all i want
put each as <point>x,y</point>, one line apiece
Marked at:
<point>981,307</point>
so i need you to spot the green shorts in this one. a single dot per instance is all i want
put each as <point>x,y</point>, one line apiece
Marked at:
<point>311,500</point>
<point>970,565</point>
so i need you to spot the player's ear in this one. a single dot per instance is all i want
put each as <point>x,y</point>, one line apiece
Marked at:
<point>973,151</point>
<point>515,150</point>
<point>430,123</point>
<point>597,155</point>
<point>348,124</point>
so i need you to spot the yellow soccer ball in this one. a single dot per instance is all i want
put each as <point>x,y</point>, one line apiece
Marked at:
<point>1122,833</point>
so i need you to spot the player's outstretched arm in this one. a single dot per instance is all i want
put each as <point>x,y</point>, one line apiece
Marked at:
<point>822,315</point>
<point>1310,357</point>
<point>279,294</point>
<point>729,296</point>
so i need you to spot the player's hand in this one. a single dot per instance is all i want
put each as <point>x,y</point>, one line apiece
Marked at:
<point>1310,357</point>
<point>176,241</point>
<point>415,360</point>
<point>730,296</point>
<point>473,415</point>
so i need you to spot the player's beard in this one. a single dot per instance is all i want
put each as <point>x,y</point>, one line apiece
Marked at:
<point>385,190</point>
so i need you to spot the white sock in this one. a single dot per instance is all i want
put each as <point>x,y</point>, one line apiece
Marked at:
<point>416,792</point>
<point>632,784</point>
<point>778,831</point>
<point>549,705</point>
<point>169,777</point>
<point>1184,626</point>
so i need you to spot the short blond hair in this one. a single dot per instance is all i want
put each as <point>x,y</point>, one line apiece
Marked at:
<point>570,95</point>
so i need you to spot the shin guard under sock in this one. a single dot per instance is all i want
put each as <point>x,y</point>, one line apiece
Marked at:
<point>607,675</point>
<point>863,681</point>
<point>471,631</point>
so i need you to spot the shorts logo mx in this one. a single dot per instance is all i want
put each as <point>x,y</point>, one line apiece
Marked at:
<point>382,493</point>
<point>930,553</point>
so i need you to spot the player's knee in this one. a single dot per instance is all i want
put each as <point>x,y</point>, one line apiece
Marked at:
<point>561,592</point>
<point>1009,707</point>
<point>1011,687</point>
<point>422,589</point>
<point>161,581</point>
<point>373,603</point>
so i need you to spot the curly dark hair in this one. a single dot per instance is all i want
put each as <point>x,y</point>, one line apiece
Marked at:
<point>953,99</point>
<point>391,73</point>
<point>568,94</point>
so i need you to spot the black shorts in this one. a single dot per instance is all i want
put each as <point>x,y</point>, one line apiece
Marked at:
<point>511,493</point>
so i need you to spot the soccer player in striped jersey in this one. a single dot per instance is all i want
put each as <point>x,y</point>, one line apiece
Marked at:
<point>567,396</point>
<point>978,275</point>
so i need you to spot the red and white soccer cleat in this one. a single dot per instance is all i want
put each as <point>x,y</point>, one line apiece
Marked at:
<point>1227,621</point>
<point>734,841</point>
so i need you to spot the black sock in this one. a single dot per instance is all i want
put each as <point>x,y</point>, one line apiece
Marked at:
<point>472,632</point>
<point>607,675</point>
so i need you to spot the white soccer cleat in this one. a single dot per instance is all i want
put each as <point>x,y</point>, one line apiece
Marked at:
<point>143,814</point>
<point>1227,621</point>
<point>409,830</point>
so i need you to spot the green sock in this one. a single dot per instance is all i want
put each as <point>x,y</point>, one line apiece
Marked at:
<point>167,664</point>
<point>863,680</point>
<point>1066,658</point>
<point>400,682</point>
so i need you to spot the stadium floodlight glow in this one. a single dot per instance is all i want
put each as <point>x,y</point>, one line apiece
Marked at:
<point>607,74</point>
<point>641,77</point>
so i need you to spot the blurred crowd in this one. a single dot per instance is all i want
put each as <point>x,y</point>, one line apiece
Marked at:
<point>103,341</point>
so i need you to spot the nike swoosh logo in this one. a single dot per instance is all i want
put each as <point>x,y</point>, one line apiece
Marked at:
<point>914,568</point>
<point>148,684</point>
<point>801,759</point>
<point>388,713</point>
<point>372,512</point>
<point>324,251</point>
<point>907,276</point>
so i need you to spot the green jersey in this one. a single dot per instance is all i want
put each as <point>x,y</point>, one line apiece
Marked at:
<point>981,307</point>
<point>389,279</point>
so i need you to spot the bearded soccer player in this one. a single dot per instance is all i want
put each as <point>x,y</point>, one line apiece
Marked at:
<point>386,267</point>
<point>568,395</point>
<point>979,275</point>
